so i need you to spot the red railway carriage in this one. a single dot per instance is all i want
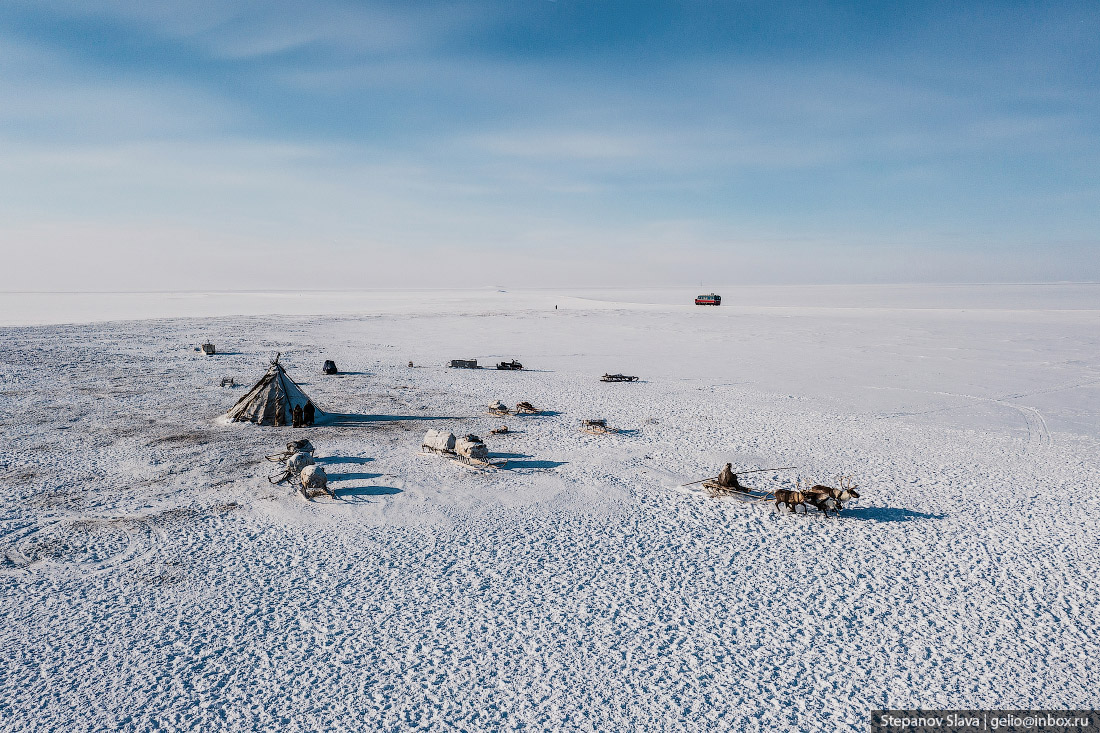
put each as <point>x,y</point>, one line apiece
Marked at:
<point>711,299</point>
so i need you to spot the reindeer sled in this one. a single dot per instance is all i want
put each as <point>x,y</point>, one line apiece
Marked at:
<point>499,409</point>
<point>469,450</point>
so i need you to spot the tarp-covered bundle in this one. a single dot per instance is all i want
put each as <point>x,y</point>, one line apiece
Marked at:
<point>472,446</point>
<point>299,461</point>
<point>272,400</point>
<point>439,440</point>
<point>313,477</point>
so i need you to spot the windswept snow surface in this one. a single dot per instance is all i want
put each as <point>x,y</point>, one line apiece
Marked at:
<point>152,578</point>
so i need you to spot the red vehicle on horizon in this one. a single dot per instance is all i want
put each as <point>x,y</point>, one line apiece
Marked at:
<point>711,299</point>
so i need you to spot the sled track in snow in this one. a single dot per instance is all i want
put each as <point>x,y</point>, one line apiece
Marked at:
<point>79,545</point>
<point>1038,435</point>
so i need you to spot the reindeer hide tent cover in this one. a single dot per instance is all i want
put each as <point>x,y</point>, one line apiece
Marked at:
<point>271,400</point>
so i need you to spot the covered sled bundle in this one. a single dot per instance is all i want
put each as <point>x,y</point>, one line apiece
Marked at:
<point>439,441</point>
<point>464,364</point>
<point>314,477</point>
<point>209,349</point>
<point>299,462</point>
<point>314,482</point>
<point>472,446</point>
<point>330,367</point>
<point>296,446</point>
<point>272,400</point>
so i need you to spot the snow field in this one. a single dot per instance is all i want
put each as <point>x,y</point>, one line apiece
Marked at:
<point>153,579</point>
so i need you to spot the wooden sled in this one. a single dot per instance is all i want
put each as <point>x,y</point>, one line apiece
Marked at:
<point>618,378</point>
<point>597,427</point>
<point>715,490</point>
<point>309,494</point>
<point>498,411</point>
<point>526,408</point>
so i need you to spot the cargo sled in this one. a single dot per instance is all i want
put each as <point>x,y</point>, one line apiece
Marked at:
<point>512,365</point>
<point>618,378</point>
<point>597,426</point>
<point>469,450</point>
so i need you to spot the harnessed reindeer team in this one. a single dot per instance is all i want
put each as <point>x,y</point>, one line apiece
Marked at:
<point>805,494</point>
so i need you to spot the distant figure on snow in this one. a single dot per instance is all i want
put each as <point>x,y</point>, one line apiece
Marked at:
<point>296,416</point>
<point>309,414</point>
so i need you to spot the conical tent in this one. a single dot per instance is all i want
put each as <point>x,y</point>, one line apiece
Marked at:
<point>271,400</point>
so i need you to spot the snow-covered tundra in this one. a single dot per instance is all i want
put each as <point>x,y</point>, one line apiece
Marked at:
<point>151,578</point>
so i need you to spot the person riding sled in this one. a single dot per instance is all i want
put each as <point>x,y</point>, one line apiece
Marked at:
<point>727,479</point>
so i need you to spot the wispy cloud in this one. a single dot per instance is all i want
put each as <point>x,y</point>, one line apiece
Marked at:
<point>366,131</point>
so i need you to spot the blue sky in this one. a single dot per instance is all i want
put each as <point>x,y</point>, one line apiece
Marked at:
<point>193,145</point>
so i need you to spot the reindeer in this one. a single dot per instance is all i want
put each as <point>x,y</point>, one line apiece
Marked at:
<point>822,500</point>
<point>791,498</point>
<point>846,491</point>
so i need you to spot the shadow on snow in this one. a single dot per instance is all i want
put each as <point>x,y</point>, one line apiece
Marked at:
<point>887,514</point>
<point>352,493</point>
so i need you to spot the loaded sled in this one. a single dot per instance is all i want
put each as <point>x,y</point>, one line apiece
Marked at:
<point>618,378</point>
<point>512,365</point>
<point>597,426</point>
<point>469,450</point>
